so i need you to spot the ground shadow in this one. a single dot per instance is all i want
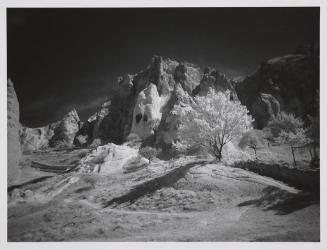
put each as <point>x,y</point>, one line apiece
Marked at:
<point>33,181</point>
<point>151,186</point>
<point>308,179</point>
<point>283,202</point>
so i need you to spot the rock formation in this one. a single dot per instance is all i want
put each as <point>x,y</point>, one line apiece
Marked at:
<point>291,80</point>
<point>91,128</point>
<point>265,108</point>
<point>66,130</point>
<point>212,78</point>
<point>33,139</point>
<point>111,159</point>
<point>148,112</point>
<point>140,105</point>
<point>57,134</point>
<point>13,126</point>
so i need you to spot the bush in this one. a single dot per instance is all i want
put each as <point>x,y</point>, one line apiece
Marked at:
<point>149,152</point>
<point>284,122</point>
<point>252,139</point>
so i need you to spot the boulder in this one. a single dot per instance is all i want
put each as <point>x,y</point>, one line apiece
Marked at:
<point>13,126</point>
<point>108,159</point>
<point>134,164</point>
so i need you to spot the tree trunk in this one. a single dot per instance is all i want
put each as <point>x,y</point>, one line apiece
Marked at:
<point>218,151</point>
<point>220,156</point>
<point>293,156</point>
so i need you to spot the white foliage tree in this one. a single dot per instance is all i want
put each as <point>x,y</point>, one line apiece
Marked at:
<point>211,122</point>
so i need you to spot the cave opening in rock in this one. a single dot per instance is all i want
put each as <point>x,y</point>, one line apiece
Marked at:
<point>145,118</point>
<point>138,118</point>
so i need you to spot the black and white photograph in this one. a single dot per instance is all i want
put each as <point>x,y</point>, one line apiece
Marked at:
<point>162,124</point>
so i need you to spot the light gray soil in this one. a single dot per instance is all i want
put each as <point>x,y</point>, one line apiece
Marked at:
<point>183,200</point>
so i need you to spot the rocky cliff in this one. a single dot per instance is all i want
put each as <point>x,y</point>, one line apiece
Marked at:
<point>13,126</point>
<point>140,105</point>
<point>289,83</point>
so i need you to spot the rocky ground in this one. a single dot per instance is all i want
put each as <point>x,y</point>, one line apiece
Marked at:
<point>186,199</point>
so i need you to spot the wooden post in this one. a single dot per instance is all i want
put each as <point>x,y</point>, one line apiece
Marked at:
<point>293,156</point>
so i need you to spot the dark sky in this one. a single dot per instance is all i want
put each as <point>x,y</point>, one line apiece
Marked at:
<point>64,58</point>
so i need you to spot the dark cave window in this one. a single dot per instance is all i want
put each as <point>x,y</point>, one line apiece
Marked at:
<point>138,118</point>
<point>231,98</point>
<point>145,118</point>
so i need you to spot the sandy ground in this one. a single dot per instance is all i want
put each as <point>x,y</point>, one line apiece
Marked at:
<point>182,200</point>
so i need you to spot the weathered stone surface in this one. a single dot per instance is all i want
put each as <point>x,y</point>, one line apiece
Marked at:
<point>212,78</point>
<point>140,102</point>
<point>33,139</point>
<point>65,132</point>
<point>60,133</point>
<point>91,128</point>
<point>292,79</point>
<point>264,109</point>
<point>13,126</point>
<point>167,130</point>
<point>148,112</point>
<point>109,159</point>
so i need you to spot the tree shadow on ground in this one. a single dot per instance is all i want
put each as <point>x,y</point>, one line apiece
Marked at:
<point>283,202</point>
<point>152,185</point>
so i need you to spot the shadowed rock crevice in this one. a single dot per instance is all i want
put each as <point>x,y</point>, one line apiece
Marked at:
<point>151,186</point>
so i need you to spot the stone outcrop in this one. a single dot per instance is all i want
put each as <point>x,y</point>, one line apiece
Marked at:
<point>265,108</point>
<point>33,139</point>
<point>291,80</point>
<point>13,126</point>
<point>212,78</point>
<point>66,130</point>
<point>91,128</point>
<point>111,159</point>
<point>57,134</point>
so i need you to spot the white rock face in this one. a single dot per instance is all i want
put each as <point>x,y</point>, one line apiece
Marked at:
<point>109,159</point>
<point>167,132</point>
<point>13,126</point>
<point>148,112</point>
